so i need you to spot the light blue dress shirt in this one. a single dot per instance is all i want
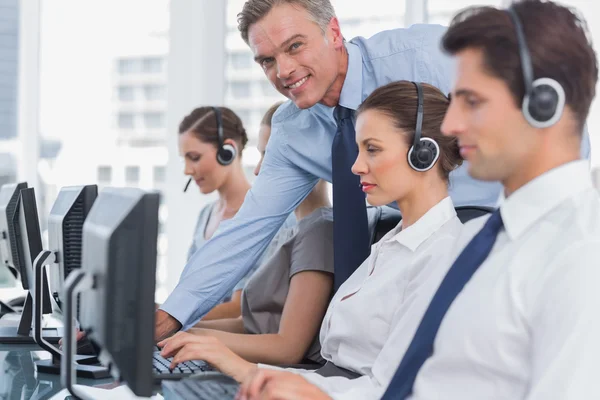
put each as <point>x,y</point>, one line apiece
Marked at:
<point>299,153</point>
<point>200,238</point>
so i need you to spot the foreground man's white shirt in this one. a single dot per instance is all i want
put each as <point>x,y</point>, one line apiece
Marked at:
<point>527,325</point>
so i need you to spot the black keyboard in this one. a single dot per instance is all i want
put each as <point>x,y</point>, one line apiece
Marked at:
<point>209,386</point>
<point>162,371</point>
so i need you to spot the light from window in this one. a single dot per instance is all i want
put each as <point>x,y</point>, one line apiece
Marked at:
<point>240,60</point>
<point>6,178</point>
<point>442,11</point>
<point>268,89</point>
<point>154,120</point>
<point>160,174</point>
<point>154,92</point>
<point>126,93</point>
<point>128,66</point>
<point>244,116</point>
<point>104,174</point>
<point>256,116</point>
<point>152,65</point>
<point>132,174</point>
<point>126,120</point>
<point>240,90</point>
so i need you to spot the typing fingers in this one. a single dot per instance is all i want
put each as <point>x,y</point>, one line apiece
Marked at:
<point>172,345</point>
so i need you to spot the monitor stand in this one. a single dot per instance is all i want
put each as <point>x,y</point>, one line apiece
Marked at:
<point>84,364</point>
<point>21,334</point>
<point>76,282</point>
<point>6,309</point>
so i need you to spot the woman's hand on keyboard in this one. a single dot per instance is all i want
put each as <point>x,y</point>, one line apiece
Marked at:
<point>184,346</point>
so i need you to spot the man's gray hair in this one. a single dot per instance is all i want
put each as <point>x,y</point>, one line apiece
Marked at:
<point>320,11</point>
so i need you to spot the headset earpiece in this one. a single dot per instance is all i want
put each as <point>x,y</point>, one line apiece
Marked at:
<point>424,155</point>
<point>424,152</point>
<point>226,152</point>
<point>544,106</point>
<point>544,99</point>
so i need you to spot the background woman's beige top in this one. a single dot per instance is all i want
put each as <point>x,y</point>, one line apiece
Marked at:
<point>309,247</point>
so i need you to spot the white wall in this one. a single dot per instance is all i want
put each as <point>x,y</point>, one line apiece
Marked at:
<point>196,77</point>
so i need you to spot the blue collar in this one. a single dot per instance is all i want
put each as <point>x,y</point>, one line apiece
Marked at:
<point>351,95</point>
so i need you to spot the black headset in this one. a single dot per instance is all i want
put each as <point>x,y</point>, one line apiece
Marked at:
<point>544,99</point>
<point>424,152</point>
<point>226,152</point>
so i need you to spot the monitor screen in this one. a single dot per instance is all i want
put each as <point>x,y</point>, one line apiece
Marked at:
<point>119,251</point>
<point>9,197</point>
<point>28,240</point>
<point>65,230</point>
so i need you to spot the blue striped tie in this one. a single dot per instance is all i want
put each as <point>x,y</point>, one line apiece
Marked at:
<point>350,229</point>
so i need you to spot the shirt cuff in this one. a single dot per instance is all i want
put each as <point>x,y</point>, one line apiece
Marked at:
<point>181,306</point>
<point>298,371</point>
<point>267,366</point>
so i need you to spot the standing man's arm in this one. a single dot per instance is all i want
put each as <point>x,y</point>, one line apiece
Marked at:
<point>216,267</point>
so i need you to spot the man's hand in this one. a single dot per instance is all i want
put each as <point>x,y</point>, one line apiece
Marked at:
<point>266,384</point>
<point>165,325</point>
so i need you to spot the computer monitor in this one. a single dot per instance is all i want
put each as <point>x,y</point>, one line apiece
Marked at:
<point>20,232</point>
<point>27,247</point>
<point>117,281</point>
<point>9,196</point>
<point>65,229</point>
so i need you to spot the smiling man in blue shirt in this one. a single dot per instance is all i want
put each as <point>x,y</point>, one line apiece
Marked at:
<point>300,47</point>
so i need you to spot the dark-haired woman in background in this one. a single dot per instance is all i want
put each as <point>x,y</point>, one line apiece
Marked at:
<point>198,144</point>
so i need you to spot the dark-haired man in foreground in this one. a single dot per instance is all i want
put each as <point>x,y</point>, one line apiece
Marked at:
<point>517,315</point>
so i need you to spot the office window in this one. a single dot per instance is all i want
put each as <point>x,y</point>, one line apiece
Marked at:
<point>125,120</point>
<point>256,116</point>
<point>104,174</point>
<point>267,89</point>
<point>152,65</point>
<point>154,92</point>
<point>162,219</point>
<point>160,174</point>
<point>9,41</point>
<point>126,93</point>
<point>442,11</point>
<point>240,60</point>
<point>240,90</point>
<point>4,179</point>
<point>132,174</point>
<point>244,116</point>
<point>154,120</point>
<point>128,66</point>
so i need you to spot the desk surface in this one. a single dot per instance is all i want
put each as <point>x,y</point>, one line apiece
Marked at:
<point>19,380</point>
<point>18,377</point>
